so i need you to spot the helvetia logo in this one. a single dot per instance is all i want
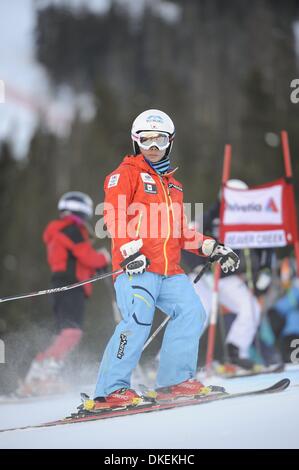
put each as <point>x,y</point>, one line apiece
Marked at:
<point>250,207</point>
<point>271,206</point>
<point>253,207</point>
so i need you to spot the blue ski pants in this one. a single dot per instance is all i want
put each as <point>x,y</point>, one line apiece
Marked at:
<point>137,296</point>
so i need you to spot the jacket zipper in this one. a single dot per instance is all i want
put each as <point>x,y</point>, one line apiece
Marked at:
<point>168,226</point>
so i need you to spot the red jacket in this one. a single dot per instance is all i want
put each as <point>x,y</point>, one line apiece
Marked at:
<point>72,259</point>
<point>135,181</point>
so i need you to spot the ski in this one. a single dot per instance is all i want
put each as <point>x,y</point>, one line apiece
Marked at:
<point>152,407</point>
<point>251,373</point>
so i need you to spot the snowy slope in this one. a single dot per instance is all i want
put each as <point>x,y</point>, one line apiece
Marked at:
<point>254,422</point>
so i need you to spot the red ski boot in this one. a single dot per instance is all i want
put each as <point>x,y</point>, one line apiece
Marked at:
<point>189,388</point>
<point>119,398</point>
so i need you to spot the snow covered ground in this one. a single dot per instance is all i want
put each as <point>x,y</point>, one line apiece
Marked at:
<point>269,421</point>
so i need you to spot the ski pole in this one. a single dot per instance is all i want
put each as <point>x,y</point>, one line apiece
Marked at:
<point>61,289</point>
<point>202,271</point>
<point>156,332</point>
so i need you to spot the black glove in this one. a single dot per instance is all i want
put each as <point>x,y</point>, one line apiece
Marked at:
<point>225,256</point>
<point>135,264</point>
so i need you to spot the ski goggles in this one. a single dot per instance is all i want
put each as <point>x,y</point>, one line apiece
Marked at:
<point>148,139</point>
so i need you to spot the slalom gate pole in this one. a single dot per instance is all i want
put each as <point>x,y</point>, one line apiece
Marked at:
<point>289,177</point>
<point>215,294</point>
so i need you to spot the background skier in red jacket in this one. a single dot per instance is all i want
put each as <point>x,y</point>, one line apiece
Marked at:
<point>71,258</point>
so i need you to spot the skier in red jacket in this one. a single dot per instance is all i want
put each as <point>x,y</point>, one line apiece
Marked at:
<point>71,258</point>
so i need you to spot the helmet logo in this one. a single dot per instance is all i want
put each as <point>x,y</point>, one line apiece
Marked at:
<point>153,120</point>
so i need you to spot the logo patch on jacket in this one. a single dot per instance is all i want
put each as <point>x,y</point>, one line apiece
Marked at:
<point>175,186</point>
<point>122,344</point>
<point>150,188</point>
<point>146,178</point>
<point>113,180</point>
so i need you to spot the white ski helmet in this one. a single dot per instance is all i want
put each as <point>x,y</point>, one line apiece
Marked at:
<point>236,184</point>
<point>233,184</point>
<point>77,203</point>
<point>152,120</point>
